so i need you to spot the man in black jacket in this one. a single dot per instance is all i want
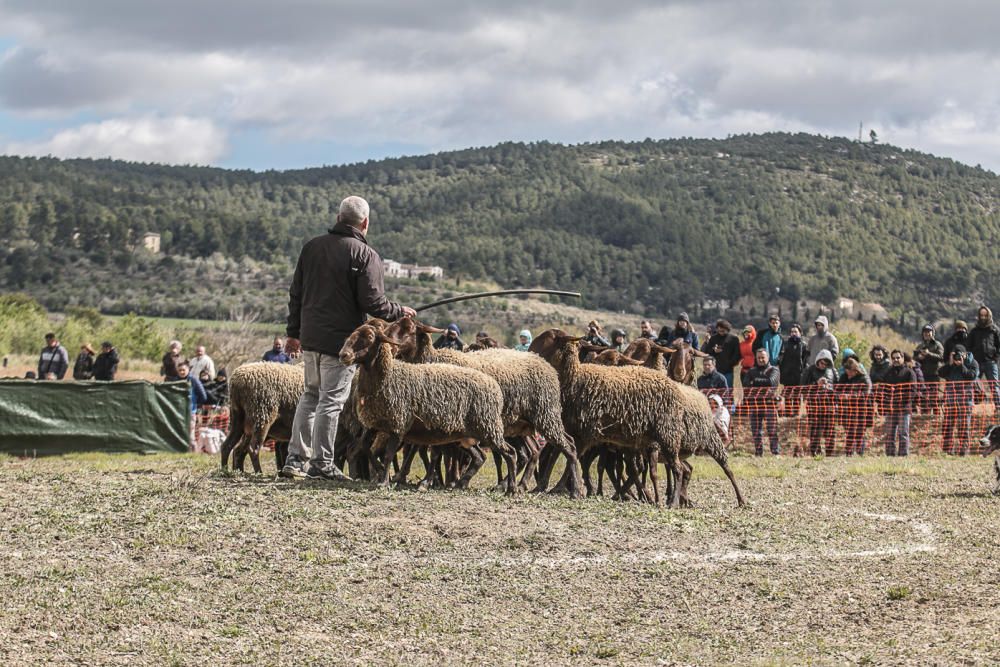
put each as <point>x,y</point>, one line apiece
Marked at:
<point>984,345</point>
<point>337,281</point>
<point>725,347</point>
<point>106,364</point>
<point>762,381</point>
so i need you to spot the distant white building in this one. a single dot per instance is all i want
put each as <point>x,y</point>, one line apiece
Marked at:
<point>151,242</point>
<point>394,269</point>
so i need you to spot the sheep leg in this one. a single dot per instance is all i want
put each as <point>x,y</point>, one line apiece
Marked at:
<point>498,462</point>
<point>477,462</point>
<point>654,474</point>
<point>586,461</point>
<point>392,444</point>
<point>547,462</point>
<point>233,437</point>
<point>688,469</point>
<point>531,455</point>
<point>431,469</point>
<point>511,459</point>
<point>409,451</point>
<point>280,454</point>
<point>678,471</point>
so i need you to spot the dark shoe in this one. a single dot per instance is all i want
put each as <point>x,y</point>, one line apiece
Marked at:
<point>332,474</point>
<point>293,469</point>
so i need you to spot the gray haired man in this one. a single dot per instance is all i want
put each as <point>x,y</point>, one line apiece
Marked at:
<point>337,282</point>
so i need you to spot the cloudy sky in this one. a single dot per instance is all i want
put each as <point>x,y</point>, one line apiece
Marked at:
<point>264,84</point>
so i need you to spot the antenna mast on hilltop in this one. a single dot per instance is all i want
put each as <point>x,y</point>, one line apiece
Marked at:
<point>861,125</point>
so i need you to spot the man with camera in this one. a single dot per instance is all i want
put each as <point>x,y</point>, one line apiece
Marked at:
<point>959,395</point>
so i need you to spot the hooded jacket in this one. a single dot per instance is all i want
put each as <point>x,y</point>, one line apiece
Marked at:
<point>957,338</point>
<point>984,340</point>
<point>824,341</point>
<point>813,374</point>
<point>523,347</point>
<point>338,280</point>
<point>747,348</point>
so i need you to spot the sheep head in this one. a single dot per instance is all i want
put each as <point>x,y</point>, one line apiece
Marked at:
<point>548,343</point>
<point>406,331</point>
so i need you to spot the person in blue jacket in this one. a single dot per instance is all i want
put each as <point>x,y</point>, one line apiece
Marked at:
<point>277,353</point>
<point>682,330</point>
<point>199,396</point>
<point>770,340</point>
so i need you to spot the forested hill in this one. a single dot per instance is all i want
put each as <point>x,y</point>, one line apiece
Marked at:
<point>653,226</point>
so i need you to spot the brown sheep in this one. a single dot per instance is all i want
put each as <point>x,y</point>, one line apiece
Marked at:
<point>634,408</point>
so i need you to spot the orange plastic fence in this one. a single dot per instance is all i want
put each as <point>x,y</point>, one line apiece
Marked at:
<point>937,417</point>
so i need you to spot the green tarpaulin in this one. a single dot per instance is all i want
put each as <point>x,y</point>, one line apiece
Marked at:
<point>39,418</point>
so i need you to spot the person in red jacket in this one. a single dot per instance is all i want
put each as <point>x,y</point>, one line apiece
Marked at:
<point>747,338</point>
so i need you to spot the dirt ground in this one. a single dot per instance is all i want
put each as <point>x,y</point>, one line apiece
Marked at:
<point>162,560</point>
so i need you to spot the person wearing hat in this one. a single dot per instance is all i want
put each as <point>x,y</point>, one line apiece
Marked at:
<point>83,369</point>
<point>594,337</point>
<point>53,358</point>
<point>770,340</point>
<point>106,364</point>
<point>682,331</point>
<point>817,389</point>
<point>218,389</point>
<point>523,341</point>
<point>450,340</point>
<point>959,337</point>
<point>959,395</point>
<point>849,353</point>
<point>929,353</point>
<point>823,339</point>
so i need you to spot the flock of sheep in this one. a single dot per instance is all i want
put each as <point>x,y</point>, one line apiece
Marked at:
<point>630,412</point>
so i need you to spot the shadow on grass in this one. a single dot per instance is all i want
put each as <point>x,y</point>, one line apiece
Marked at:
<point>965,494</point>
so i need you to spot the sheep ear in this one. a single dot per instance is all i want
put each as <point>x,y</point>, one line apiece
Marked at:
<point>590,347</point>
<point>661,349</point>
<point>381,337</point>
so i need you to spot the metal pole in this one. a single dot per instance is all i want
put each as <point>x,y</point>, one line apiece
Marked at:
<point>483,295</point>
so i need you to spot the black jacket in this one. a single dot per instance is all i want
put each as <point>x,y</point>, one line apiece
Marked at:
<point>729,355</point>
<point>83,369</point>
<point>793,361</point>
<point>106,365</point>
<point>984,342</point>
<point>337,281</point>
<point>957,338</point>
<point>899,399</point>
<point>760,384</point>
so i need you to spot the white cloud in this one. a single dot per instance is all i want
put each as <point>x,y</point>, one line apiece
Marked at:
<point>449,73</point>
<point>174,140</point>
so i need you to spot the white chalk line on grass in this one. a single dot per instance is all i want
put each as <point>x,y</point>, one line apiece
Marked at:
<point>924,530</point>
<point>927,544</point>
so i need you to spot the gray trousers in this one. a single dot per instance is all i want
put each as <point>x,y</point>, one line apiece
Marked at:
<point>328,382</point>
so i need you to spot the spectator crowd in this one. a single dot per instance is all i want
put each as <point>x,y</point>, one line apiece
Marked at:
<point>786,374</point>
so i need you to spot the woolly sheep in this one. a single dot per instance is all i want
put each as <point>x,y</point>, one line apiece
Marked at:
<point>530,387</point>
<point>428,404</point>
<point>262,399</point>
<point>632,407</point>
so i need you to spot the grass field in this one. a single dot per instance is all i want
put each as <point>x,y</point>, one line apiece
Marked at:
<point>114,559</point>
